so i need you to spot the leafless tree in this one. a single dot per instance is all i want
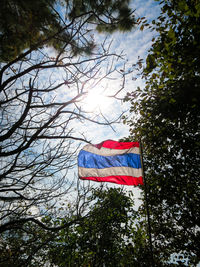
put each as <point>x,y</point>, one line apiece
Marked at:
<point>41,95</point>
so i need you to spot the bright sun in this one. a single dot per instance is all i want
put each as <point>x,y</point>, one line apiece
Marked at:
<point>96,101</point>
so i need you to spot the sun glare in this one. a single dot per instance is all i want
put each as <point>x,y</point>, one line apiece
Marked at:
<point>96,101</point>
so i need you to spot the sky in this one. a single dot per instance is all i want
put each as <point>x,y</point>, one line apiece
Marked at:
<point>133,45</point>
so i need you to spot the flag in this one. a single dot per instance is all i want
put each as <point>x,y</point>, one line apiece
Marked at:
<point>111,161</point>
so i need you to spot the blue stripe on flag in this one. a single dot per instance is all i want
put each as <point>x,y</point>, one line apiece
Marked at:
<point>90,160</point>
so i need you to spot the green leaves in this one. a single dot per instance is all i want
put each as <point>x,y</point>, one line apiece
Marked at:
<point>169,128</point>
<point>171,34</point>
<point>33,25</point>
<point>110,235</point>
<point>23,25</point>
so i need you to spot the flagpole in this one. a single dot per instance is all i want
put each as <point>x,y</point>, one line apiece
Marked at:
<point>147,206</point>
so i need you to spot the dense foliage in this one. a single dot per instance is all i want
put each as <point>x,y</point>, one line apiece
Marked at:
<point>110,235</point>
<point>33,24</point>
<point>168,126</point>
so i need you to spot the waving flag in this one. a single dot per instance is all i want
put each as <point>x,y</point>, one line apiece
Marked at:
<point>111,161</point>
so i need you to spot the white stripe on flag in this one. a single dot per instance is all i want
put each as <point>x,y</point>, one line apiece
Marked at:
<point>110,152</point>
<point>91,172</point>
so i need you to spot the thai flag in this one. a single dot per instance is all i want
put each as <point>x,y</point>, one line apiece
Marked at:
<point>111,161</point>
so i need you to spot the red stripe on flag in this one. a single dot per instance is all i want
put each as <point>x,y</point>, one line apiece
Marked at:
<point>117,145</point>
<point>125,180</point>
